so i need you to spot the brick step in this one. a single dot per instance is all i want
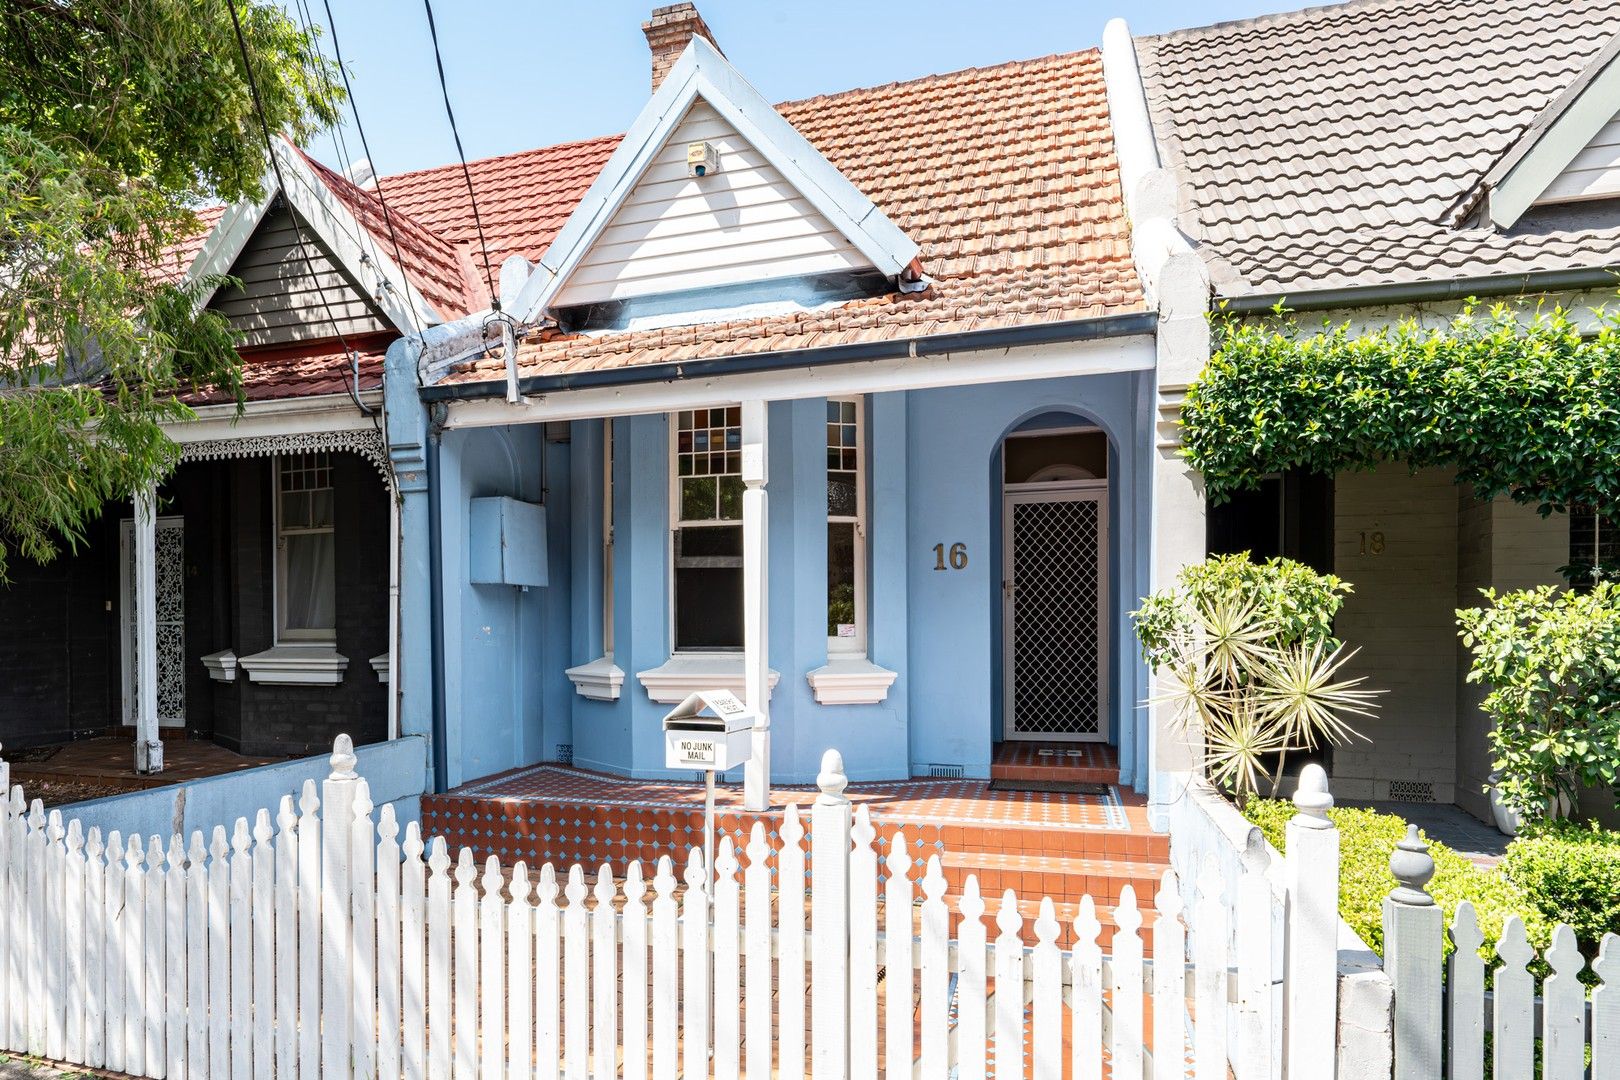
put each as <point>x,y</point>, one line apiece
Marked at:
<point>1063,879</point>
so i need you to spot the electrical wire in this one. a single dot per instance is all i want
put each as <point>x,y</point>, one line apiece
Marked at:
<point>444,87</point>
<point>365,148</point>
<point>298,231</point>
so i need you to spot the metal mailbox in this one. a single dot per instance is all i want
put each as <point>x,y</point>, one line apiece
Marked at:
<point>710,730</point>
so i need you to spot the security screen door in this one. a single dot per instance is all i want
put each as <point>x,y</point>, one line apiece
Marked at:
<point>1055,596</point>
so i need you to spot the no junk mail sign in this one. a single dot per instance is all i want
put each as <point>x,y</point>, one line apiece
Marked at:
<point>709,730</point>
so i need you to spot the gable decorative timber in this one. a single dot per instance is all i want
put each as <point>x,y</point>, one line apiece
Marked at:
<point>351,246</point>
<point>1572,151</point>
<point>787,211</point>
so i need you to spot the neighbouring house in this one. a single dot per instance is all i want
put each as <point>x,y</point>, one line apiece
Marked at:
<point>846,405</point>
<point>256,580</point>
<point>1367,162</point>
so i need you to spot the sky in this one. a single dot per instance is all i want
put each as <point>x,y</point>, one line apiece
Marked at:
<point>527,73</point>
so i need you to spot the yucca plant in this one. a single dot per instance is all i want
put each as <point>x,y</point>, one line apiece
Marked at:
<point>1245,658</point>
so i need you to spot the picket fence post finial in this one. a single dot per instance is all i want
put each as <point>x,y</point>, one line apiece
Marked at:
<point>1312,798</point>
<point>342,759</point>
<point>1412,866</point>
<point>832,779</point>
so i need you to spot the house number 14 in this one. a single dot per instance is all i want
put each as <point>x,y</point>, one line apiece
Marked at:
<point>956,554</point>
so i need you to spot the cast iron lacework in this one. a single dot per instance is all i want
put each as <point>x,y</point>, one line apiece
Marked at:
<point>367,442</point>
<point>169,551</point>
<point>1055,675</point>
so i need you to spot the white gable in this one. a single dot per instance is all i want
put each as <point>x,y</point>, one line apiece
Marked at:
<point>673,231</point>
<point>774,208</point>
<point>1595,171</point>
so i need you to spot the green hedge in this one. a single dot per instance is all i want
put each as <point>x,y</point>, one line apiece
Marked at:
<point>1571,872</point>
<point>1366,839</point>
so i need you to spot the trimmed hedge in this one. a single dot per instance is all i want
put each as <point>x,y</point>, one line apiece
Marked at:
<point>1366,839</point>
<point>1571,872</point>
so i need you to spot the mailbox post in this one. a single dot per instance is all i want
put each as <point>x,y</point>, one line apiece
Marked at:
<point>711,730</point>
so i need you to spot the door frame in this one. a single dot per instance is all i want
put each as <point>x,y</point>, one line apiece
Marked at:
<point>126,643</point>
<point>1096,491</point>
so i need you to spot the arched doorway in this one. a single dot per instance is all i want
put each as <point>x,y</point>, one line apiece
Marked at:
<point>1055,575</point>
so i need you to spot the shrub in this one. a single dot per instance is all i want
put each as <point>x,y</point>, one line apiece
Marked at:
<point>1249,663</point>
<point>1552,661</point>
<point>1366,839</point>
<point>1571,872</point>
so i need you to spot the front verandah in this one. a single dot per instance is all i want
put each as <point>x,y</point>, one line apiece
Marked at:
<point>881,586</point>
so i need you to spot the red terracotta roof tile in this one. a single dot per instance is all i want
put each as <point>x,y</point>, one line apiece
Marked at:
<point>1004,176</point>
<point>312,369</point>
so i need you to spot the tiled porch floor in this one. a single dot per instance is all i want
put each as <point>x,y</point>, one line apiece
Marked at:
<point>1061,845</point>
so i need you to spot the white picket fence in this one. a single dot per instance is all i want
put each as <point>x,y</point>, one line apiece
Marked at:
<point>1441,1029</point>
<point>322,945</point>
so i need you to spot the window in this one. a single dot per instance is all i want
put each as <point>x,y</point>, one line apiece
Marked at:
<point>1594,546</point>
<point>846,529</point>
<point>706,505</point>
<point>305,592</point>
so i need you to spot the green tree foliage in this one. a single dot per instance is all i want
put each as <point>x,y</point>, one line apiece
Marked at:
<point>1551,659</point>
<point>118,120</point>
<point>1528,408</point>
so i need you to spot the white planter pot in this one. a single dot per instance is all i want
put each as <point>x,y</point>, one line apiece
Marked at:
<point>1507,821</point>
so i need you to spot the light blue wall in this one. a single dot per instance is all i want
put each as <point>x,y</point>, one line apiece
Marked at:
<point>932,459</point>
<point>394,771</point>
<point>953,496</point>
<point>501,640</point>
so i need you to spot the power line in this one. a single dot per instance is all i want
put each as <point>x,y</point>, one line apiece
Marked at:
<point>365,148</point>
<point>444,87</point>
<point>275,163</point>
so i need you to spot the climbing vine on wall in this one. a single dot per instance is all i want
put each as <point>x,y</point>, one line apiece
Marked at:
<point>1527,407</point>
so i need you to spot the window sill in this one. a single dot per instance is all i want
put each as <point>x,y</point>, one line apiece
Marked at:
<point>296,665</point>
<point>221,665</point>
<point>599,680</point>
<point>850,681</point>
<point>686,673</point>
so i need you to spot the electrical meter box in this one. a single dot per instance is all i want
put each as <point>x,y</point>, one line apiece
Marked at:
<point>711,729</point>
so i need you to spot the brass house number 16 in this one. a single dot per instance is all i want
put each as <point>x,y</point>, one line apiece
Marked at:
<point>956,555</point>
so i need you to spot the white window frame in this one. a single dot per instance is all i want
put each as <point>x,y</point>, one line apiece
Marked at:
<point>855,647</point>
<point>283,634</point>
<point>677,523</point>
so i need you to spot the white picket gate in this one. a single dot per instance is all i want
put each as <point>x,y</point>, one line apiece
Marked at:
<point>324,945</point>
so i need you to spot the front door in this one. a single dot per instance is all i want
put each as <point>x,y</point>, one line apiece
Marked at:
<point>1055,590</point>
<point>171,617</point>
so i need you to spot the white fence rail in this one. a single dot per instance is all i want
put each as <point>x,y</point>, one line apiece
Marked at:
<point>323,944</point>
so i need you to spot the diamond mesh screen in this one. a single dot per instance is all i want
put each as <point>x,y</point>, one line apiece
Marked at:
<point>1055,670</point>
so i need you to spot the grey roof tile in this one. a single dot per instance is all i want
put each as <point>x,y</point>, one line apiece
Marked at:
<point>1332,146</point>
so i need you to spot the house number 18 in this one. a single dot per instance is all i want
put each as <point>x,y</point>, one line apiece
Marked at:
<point>957,555</point>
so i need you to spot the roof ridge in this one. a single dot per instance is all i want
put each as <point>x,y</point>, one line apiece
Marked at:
<point>1296,14</point>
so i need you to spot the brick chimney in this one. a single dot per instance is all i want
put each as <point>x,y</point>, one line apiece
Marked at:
<point>668,32</point>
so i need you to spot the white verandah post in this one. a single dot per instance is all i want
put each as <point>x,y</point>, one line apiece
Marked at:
<point>148,747</point>
<point>756,606</point>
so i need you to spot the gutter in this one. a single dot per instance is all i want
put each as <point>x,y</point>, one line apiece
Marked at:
<point>1425,291</point>
<point>1108,326</point>
<point>439,727</point>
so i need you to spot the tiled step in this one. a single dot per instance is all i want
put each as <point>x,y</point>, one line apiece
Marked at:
<point>1075,763</point>
<point>1133,843</point>
<point>1062,879</point>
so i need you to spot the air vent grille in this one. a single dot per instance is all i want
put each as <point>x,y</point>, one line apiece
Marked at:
<point>1411,791</point>
<point>565,753</point>
<point>938,771</point>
